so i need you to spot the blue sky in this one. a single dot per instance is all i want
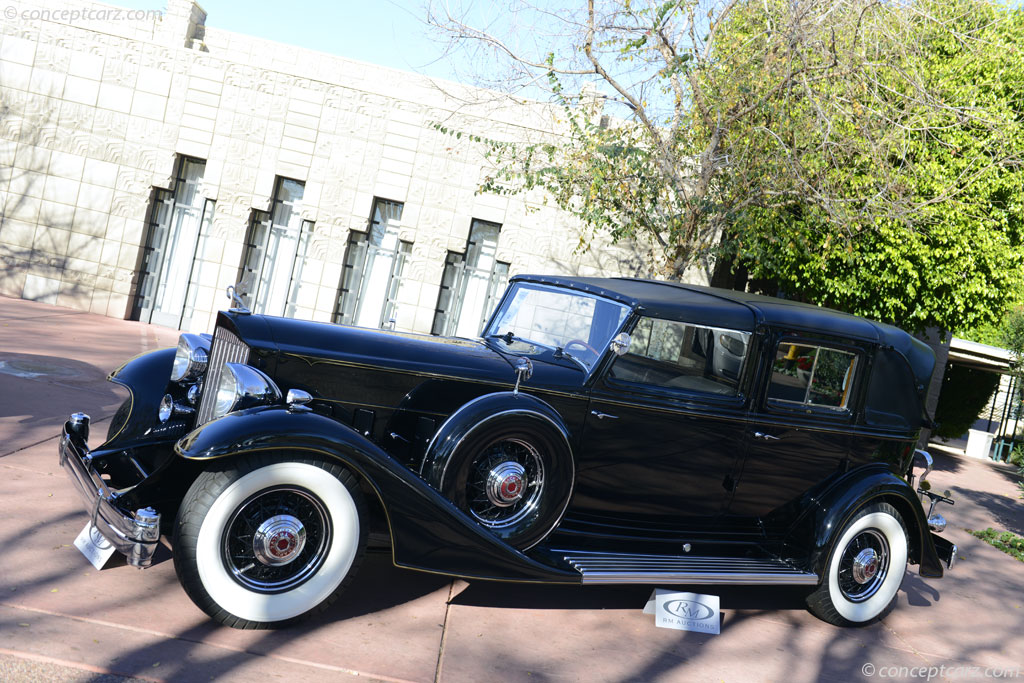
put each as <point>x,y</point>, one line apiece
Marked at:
<point>376,31</point>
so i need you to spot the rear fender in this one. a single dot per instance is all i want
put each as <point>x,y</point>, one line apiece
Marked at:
<point>428,533</point>
<point>815,532</point>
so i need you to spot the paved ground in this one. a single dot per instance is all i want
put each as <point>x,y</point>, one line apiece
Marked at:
<point>62,620</point>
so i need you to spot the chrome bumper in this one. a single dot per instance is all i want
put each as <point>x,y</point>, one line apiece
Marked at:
<point>134,534</point>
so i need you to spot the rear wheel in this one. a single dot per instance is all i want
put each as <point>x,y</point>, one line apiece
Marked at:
<point>265,540</point>
<point>865,569</point>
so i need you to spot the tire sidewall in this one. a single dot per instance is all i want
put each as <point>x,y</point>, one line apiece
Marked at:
<point>889,526</point>
<point>555,459</point>
<point>342,552</point>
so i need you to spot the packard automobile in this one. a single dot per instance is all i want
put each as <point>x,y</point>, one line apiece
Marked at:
<point>599,431</point>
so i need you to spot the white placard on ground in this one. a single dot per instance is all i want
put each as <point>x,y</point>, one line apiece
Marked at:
<point>96,548</point>
<point>685,611</point>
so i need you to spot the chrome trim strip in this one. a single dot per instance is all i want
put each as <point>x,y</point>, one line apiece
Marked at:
<point>698,578</point>
<point>616,568</point>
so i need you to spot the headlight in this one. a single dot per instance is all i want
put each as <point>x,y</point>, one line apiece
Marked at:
<point>190,358</point>
<point>243,386</point>
<point>166,408</point>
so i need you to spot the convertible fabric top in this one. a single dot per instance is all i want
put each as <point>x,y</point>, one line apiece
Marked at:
<point>743,311</point>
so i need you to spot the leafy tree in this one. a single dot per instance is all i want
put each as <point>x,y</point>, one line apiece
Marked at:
<point>960,262</point>
<point>1011,334</point>
<point>854,153</point>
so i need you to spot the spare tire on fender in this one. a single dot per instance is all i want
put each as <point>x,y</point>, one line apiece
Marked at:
<point>505,460</point>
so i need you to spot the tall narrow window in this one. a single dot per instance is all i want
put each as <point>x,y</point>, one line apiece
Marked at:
<point>179,221</point>
<point>276,253</point>
<point>471,284</point>
<point>372,276</point>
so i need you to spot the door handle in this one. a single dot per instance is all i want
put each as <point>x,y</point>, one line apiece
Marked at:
<point>765,437</point>
<point>600,416</point>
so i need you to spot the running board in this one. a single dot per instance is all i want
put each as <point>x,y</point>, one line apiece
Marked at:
<point>606,568</point>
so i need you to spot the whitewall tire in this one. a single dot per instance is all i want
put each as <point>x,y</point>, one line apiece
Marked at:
<point>263,541</point>
<point>865,569</point>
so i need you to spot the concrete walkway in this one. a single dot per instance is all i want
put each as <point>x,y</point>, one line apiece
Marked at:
<point>62,620</point>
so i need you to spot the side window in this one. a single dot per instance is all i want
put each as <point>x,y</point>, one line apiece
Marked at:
<point>812,376</point>
<point>676,355</point>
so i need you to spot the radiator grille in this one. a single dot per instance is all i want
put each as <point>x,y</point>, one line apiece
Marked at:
<point>226,348</point>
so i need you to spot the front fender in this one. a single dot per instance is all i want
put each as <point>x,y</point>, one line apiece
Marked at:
<point>427,532</point>
<point>145,377</point>
<point>814,533</point>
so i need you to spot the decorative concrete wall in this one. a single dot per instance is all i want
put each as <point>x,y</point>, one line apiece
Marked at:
<point>96,103</point>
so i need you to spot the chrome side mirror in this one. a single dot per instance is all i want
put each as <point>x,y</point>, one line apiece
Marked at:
<point>619,344</point>
<point>524,371</point>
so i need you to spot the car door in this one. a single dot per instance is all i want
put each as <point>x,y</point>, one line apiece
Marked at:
<point>799,433</point>
<point>665,427</point>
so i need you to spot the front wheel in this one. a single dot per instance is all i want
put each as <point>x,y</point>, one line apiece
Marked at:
<point>865,569</point>
<point>264,540</point>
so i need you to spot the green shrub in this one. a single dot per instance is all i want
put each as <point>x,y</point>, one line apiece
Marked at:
<point>1010,543</point>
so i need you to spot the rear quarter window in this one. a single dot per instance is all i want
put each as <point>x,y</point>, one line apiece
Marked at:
<point>812,376</point>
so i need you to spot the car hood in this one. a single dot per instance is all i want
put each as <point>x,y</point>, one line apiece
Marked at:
<point>428,355</point>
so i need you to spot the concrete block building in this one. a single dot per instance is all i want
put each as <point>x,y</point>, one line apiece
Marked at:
<point>147,162</point>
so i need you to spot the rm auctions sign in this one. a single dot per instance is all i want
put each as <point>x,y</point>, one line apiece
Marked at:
<point>684,611</point>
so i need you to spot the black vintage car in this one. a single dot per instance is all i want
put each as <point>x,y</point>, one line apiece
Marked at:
<point>600,431</point>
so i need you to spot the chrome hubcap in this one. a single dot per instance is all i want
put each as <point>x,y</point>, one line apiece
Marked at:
<point>279,540</point>
<point>506,484</point>
<point>865,565</point>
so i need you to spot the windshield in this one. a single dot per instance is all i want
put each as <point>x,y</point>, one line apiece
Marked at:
<point>578,324</point>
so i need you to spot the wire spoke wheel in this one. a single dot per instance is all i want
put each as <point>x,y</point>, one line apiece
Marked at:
<point>277,539</point>
<point>266,539</point>
<point>864,565</point>
<point>505,483</point>
<point>864,570</point>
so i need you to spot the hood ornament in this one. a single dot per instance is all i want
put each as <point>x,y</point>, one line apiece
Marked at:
<point>524,371</point>
<point>235,298</point>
